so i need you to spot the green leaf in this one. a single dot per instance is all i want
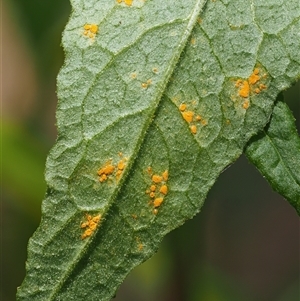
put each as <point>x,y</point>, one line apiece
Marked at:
<point>152,107</point>
<point>276,154</point>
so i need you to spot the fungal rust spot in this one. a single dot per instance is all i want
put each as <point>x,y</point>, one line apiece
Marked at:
<point>140,246</point>
<point>127,2</point>
<point>90,225</point>
<point>238,83</point>
<point>254,77</point>
<point>155,70</point>
<point>252,84</point>
<point>133,75</point>
<point>188,116</point>
<point>164,189</point>
<point>246,104</point>
<point>110,170</point>
<point>193,129</point>
<point>90,30</point>
<point>158,189</point>
<point>107,170</point>
<point>157,202</point>
<point>103,178</point>
<point>165,175</point>
<point>245,89</point>
<point>182,107</point>
<point>121,165</point>
<point>262,87</point>
<point>146,84</point>
<point>204,122</point>
<point>152,187</point>
<point>157,179</point>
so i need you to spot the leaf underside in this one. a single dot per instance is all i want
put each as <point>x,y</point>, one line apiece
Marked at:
<point>153,104</point>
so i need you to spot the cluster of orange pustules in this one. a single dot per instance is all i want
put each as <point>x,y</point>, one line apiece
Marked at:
<point>146,84</point>
<point>110,170</point>
<point>127,2</point>
<point>158,190</point>
<point>90,30</point>
<point>253,83</point>
<point>191,118</point>
<point>90,225</point>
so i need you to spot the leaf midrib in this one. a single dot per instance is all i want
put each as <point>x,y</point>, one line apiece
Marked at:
<point>152,108</point>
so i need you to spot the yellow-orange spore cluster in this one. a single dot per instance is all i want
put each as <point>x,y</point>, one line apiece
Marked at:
<point>90,30</point>
<point>252,84</point>
<point>140,245</point>
<point>110,170</point>
<point>191,118</point>
<point>158,188</point>
<point>90,225</point>
<point>244,88</point>
<point>127,2</point>
<point>146,84</point>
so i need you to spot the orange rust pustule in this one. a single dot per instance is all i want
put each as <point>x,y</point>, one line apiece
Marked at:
<point>103,178</point>
<point>246,104</point>
<point>157,202</point>
<point>262,87</point>
<point>204,122</point>
<point>165,175</point>
<point>127,2</point>
<point>238,83</point>
<point>157,179</point>
<point>121,165</point>
<point>254,77</point>
<point>152,187</point>
<point>107,170</point>
<point>245,89</point>
<point>90,30</point>
<point>193,129</point>
<point>90,225</point>
<point>164,189</point>
<point>188,116</point>
<point>182,107</point>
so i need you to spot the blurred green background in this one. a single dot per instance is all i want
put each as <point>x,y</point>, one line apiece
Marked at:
<point>243,246</point>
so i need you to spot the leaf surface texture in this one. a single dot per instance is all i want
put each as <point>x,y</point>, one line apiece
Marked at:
<point>156,98</point>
